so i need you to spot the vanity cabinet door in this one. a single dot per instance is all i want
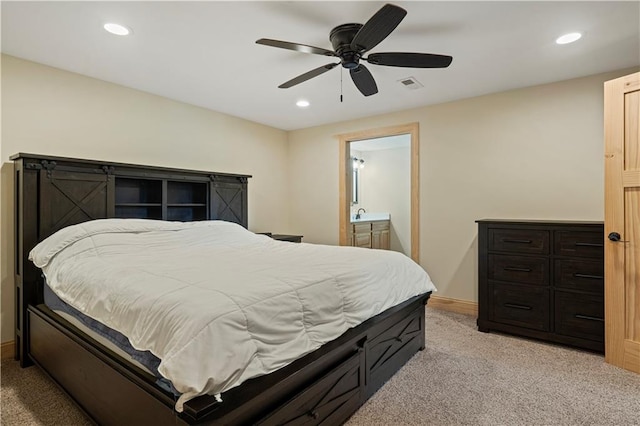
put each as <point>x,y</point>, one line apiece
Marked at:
<point>362,240</point>
<point>375,240</point>
<point>361,234</point>
<point>380,240</point>
<point>385,240</point>
<point>380,235</point>
<point>371,235</point>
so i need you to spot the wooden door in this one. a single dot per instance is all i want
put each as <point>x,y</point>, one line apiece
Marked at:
<point>622,222</point>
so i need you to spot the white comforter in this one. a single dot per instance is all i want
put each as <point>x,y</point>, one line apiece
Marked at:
<point>215,302</point>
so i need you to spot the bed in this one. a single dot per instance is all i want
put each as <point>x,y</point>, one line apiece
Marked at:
<point>321,381</point>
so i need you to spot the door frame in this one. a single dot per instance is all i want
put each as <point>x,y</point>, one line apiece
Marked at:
<point>345,172</point>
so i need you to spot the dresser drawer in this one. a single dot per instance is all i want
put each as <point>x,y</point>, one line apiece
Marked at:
<point>518,305</point>
<point>519,269</point>
<point>329,401</point>
<point>394,344</point>
<point>382,225</point>
<point>582,275</point>
<point>579,315</point>
<point>519,241</point>
<point>361,227</point>
<point>579,244</point>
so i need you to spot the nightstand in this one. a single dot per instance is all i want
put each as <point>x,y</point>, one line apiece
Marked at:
<point>290,238</point>
<point>283,237</point>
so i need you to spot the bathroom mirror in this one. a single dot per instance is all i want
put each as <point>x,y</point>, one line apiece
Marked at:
<point>356,185</point>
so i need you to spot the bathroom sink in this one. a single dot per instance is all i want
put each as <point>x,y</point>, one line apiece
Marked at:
<point>370,217</point>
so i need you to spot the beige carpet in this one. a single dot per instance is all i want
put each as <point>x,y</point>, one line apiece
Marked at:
<point>464,377</point>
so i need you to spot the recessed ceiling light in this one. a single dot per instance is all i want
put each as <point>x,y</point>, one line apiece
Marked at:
<point>302,103</point>
<point>568,38</point>
<point>117,29</point>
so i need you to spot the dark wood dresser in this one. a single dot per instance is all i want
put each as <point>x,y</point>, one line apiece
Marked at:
<point>542,279</point>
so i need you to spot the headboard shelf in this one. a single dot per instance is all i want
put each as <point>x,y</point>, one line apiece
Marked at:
<point>55,192</point>
<point>146,170</point>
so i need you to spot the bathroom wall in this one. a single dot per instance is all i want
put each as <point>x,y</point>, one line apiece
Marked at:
<point>385,187</point>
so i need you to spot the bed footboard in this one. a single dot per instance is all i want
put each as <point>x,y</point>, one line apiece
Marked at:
<point>105,390</point>
<point>327,385</point>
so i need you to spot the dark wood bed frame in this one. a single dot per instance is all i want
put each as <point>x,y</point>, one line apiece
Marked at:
<point>326,386</point>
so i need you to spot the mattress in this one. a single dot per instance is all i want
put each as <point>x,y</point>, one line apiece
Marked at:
<point>114,340</point>
<point>98,337</point>
<point>111,339</point>
<point>216,303</point>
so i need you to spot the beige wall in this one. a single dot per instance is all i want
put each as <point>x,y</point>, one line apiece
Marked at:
<point>386,188</point>
<point>528,153</point>
<point>533,153</point>
<point>50,111</point>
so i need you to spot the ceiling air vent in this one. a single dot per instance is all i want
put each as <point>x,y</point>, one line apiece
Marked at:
<point>410,83</point>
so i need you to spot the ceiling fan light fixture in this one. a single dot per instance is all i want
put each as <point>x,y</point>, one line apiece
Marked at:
<point>302,103</point>
<point>351,41</point>
<point>116,29</point>
<point>568,38</point>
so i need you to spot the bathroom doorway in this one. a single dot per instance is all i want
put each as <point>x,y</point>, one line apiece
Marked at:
<point>359,189</point>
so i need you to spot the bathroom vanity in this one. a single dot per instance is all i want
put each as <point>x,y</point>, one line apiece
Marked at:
<point>370,230</point>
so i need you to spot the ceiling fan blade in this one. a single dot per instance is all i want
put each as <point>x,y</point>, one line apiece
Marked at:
<point>378,27</point>
<point>295,46</point>
<point>410,60</point>
<point>363,80</point>
<point>308,75</point>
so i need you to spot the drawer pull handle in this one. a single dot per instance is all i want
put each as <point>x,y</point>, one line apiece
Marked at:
<point>587,317</point>
<point>313,414</point>
<point>510,268</point>
<point>589,245</point>
<point>595,277</point>
<point>523,307</point>
<point>510,240</point>
<point>398,339</point>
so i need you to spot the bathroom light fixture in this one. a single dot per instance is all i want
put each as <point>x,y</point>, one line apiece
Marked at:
<point>568,38</point>
<point>302,103</point>
<point>358,163</point>
<point>117,29</point>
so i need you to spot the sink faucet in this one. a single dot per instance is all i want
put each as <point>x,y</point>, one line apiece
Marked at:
<point>358,214</point>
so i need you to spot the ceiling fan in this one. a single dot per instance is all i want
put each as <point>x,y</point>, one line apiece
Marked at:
<point>350,43</point>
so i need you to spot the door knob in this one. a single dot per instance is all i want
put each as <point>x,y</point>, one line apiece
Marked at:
<point>615,237</point>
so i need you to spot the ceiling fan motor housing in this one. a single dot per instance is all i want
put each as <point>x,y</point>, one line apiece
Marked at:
<point>341,37</point>
<point>351,41</point>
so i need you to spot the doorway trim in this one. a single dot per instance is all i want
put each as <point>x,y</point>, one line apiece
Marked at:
<point>344,211</point>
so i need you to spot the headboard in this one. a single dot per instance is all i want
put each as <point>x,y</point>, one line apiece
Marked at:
<point>55,192</point>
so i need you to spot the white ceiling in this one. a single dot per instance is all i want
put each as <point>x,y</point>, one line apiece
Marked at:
<point>204,53</point>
